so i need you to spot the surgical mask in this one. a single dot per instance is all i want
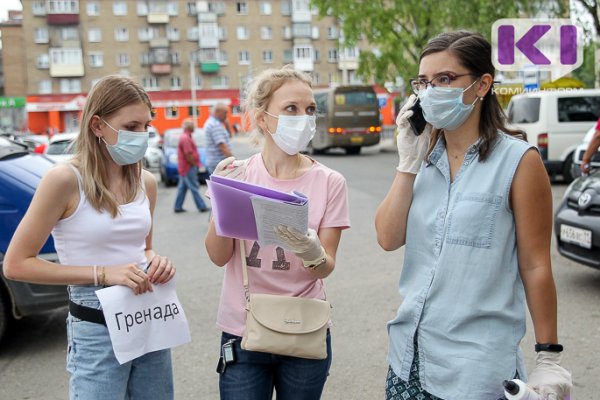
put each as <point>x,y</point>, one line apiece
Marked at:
<point>293,132</point>
<point>443,107</point>
<point>130,147</point>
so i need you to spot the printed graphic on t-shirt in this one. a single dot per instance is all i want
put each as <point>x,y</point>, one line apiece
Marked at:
<point>280,264</point>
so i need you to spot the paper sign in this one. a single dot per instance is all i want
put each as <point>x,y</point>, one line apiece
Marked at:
<point>144,323</point>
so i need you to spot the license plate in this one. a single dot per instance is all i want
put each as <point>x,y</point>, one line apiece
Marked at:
<point>356,139</point>
<point>578,236</point>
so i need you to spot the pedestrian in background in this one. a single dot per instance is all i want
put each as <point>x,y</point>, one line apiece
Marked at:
<point>188,162</point>
<point>218,142</point>
<point>591,150</point>
<point>282,110</point>
<point>472,205</point>
<point>99,208</point>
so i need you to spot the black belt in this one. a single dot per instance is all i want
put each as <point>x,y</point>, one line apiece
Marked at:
<point>86,313</point>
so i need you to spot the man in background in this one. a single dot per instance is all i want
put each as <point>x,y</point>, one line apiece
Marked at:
<point>188,161</point>
<point>218,143</point>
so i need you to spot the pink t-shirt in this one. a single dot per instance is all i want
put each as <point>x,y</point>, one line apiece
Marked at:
<point>284,274</point>
<point>598,125</point>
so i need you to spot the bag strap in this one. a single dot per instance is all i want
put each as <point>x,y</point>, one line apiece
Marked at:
<point>244,269</point>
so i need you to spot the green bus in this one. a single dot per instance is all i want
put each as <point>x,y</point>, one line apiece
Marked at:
<point>347,117</point>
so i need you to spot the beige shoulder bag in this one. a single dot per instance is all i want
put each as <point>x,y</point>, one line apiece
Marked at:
<point>288,326</point>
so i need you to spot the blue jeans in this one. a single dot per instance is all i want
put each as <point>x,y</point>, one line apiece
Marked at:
<point>95,372</point>
<point>189,181</point>
<point>254,375</point>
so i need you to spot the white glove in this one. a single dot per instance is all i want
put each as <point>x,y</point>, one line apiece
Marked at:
<point>411,148</point>
<point>307,247</point>
<point>548,378</point>
<point>231,168</point>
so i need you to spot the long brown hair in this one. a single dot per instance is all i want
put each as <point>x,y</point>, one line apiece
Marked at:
<point>474,53</point>
<point>108,96</point>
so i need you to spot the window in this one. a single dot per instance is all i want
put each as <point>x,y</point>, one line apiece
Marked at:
<point>192,34</point>
<point>175,58</point>
<point>350,52</point>
<point>147,33</point>
<point>578,109</point>
<point>158,7</point>
<point>142,8</point>
<point>173,33</point>
<point>70,85</point>
<point>315,32</point>
<point>286,7</point>
<point>45,86</point>
<point>191,8</point>
<point>198,83</point>
<point>66,56</point>
<point>223,60</point>
<point>217,7</point>
<point>69,34</point>
<point>266,32</point>
<point>244,57</point>
<point>172,112</point>
<point>93,8</point>
<point>121,34</point>
<point>175,82</point>
<point>333,32</point>
<point>42,61</point>
<point>145,59</point>
<point>241,7</point>
<point>288,56</point>
<point>301,5</point>
<point>150,83</point>
<point>303,53</point>
<point>267,56</point>
<point>301,30</point>
<point>40,35</point>
<point>63,7</point>
<point>265,8</point>
<point>242,33</point>
<point>208,55</point>
<point>220,82</point>
<point>96,59</point>
<point>317,55</point>
<point>173,8</point>
<point>222,33</point>
<point>94,35</point>
<point>123,59</point>
<point>38,7</point>
<point>120,8</point>
<point>194,57</point>
<point>287,32</point>
<point>332,55</point>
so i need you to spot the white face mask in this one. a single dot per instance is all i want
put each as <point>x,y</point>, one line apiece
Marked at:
<point>293,132</point>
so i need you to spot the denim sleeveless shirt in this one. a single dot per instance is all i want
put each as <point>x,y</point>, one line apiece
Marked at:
<point>462,293</point>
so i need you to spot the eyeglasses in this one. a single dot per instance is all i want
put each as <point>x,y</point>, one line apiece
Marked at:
<point>441,80</point>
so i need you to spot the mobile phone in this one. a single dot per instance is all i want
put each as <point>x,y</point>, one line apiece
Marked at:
<point>417,120</point>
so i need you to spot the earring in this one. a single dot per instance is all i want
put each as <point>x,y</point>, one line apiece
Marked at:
<point>98,139</point>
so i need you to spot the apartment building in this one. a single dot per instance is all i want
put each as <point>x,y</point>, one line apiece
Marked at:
<point>171,47</point>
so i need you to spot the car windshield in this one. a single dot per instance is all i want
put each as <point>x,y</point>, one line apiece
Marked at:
<point>61,147</point>
<point>525,110</point>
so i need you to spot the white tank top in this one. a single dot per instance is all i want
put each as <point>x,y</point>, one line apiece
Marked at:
<point>88,237</point>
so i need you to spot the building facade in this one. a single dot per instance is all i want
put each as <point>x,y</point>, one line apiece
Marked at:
<point>171,48</point>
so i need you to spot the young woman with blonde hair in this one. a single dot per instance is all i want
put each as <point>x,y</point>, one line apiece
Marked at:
<point>281,107</point>
<point>99,209</point>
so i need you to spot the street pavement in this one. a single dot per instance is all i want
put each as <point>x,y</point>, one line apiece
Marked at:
<point>363,291</point>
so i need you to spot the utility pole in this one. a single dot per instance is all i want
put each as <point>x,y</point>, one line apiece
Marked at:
<point>193,92</point>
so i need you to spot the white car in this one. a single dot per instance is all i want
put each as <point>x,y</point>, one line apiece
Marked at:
<point>60,148</point>
<point>153,153</point>
<point>580,150</point>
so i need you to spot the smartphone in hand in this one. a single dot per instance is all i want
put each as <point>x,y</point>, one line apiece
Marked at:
<point>417,121</point>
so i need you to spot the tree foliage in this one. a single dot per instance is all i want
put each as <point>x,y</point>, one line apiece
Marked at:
<point>397,30</point>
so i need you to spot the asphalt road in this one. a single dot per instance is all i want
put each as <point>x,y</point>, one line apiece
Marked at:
<point>363,291</point>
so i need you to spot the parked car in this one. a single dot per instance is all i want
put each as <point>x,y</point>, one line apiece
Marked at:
<point>153,153</point>
<point>168,165</point>
<point>555,121</point>
<point>20,173</point>
<point>61,147</point>
<point>580,151</point>
<point>577,221</point>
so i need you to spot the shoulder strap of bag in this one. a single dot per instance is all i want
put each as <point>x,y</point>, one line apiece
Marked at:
<point>244,269</point>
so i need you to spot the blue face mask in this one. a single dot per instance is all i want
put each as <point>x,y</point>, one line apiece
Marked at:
<point>443,107</point>
<point>130,147</point>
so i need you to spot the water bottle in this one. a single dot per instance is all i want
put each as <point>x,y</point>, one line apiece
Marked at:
<point>516,389</point>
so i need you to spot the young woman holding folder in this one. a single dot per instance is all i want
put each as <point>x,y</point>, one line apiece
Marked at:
<point>282,111</point>
<point>99,209</point>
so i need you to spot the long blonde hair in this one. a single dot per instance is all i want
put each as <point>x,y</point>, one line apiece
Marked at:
<point>108,96</point>
<point>261,89</point>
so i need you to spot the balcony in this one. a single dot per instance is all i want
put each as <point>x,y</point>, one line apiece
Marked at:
<point>63,19</point>
<point>160,69</point>
<point>159,43</point>
<point>158,18</point>
<point>66,62</point>
<point>211,67</point>
<point>62,12</point>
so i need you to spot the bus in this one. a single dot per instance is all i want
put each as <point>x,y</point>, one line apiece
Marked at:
<point>347,117</point>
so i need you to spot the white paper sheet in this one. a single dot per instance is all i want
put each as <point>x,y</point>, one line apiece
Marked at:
<point>141,324</point>
<point>270,213</point>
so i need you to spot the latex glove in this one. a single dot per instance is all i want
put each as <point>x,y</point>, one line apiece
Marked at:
<point>231,168</point>
<point>548,378</point>
<point>411,148</point>
<point>306,246</point>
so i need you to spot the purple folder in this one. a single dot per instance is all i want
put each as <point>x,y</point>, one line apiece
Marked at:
<point>232,205</point>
